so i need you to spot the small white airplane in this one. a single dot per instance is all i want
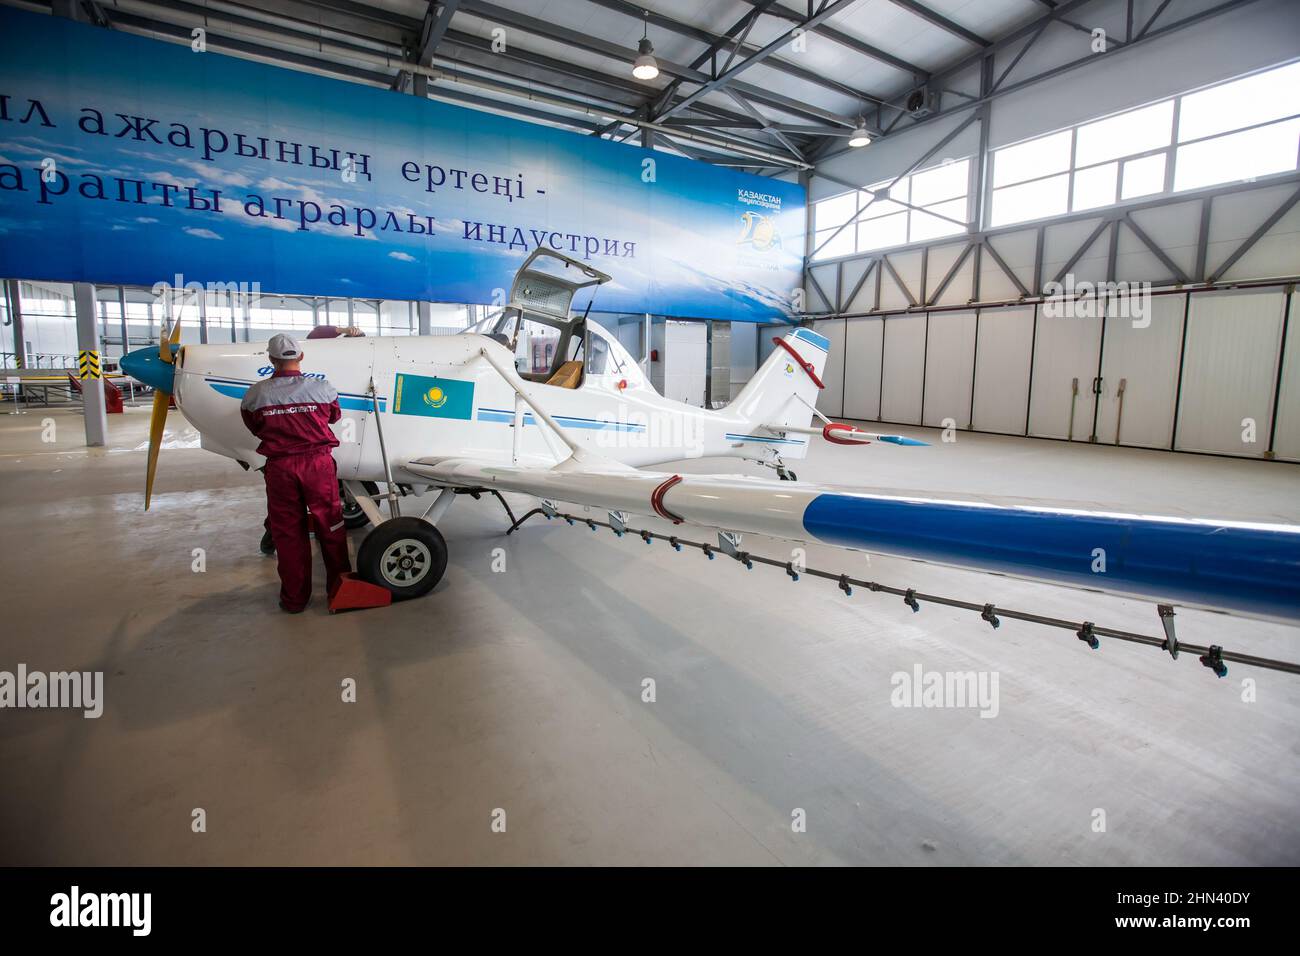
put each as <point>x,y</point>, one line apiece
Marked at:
<point>461,412</point>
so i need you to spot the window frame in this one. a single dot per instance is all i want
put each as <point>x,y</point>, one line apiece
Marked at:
<point>1169,151</point>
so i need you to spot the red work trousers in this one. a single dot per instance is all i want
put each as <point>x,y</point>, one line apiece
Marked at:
<point>296,484</point>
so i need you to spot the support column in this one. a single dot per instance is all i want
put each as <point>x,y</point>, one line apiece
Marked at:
<point>203,316</point>
<point>645,348</point>
<point>92,389</point>
<point>126,336</point>
<point>426,318</point>
<point>248,317</point>
<point>13,290</point>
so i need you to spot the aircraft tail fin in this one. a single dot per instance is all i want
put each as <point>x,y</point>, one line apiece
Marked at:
<point>784,389</point>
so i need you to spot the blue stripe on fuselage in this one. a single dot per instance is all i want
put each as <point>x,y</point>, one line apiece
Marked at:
<point>354,403</point>
<point>502,415</point>
<point>1255,570</point>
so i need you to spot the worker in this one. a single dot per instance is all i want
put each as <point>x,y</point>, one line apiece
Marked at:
<point>290,415</point>
<point>318,332</point>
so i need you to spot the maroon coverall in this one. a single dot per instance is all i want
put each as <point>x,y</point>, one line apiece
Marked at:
<point>291,414</point>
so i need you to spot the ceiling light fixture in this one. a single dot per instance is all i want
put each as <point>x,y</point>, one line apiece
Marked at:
<point>645,66</point>
<point>860,137</point>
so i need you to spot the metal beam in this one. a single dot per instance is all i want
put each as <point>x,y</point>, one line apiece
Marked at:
<point>436,20</point>
<point>123,18</point>
<point>919,74</point>
<point>942,22</point>
<point>775,134</point>
<point>715,41</point>
<point>898,280</point>
<point>1084,247</point>
<point>728,75</point>
<point>857,216</point>
<point>1001,264</point>
<point>1249,242</point>
<point>1065,7</point>
<point>1155,249</point>
<point>590,44</point>
<point>445,10</point>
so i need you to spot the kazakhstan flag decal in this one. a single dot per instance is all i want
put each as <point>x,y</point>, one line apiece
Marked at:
<point>433,397</point>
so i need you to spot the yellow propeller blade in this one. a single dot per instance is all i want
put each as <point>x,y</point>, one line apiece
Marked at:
<point>157,422</point>
<point>165,342</point>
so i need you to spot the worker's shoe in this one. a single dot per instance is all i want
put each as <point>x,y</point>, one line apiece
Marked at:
<point>290,610</point>
<point>268,543</point>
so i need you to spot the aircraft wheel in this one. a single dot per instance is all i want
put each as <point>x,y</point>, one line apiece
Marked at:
<point>405,555</point>
<point>353,516</point>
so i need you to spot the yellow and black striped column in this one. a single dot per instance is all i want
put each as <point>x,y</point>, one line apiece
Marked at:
<point>88,365</point>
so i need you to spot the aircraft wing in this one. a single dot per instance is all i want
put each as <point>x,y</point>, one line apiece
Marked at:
<point>1246,567</point>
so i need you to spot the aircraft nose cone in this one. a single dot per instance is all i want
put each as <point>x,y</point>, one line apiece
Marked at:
<point>146,366</point>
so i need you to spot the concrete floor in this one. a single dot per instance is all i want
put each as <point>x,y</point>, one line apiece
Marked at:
<point>522,690</point>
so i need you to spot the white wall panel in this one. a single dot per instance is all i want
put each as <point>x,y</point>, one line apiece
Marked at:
<point>1173,229</point>
<point>1229,371</point>
<point>949,366</point>
<point>1063,240</point>
<point>864,345</point>
<point>904,367</point>
<point>1141,351</point>
<point>1003,354</point>
<point>1286,443</point>
<point>940,262</point>
<point>908,267</point>
<point>824,277</point>
<point>1276,254</point>
<point>1065,348</point>
<point>866,293</point>
<point>830,400</point>
<point>995,285</point>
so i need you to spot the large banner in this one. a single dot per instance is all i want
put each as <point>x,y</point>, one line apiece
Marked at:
<point>129,160</point>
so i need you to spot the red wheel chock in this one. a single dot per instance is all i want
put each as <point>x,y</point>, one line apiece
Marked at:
<point>353,594</point>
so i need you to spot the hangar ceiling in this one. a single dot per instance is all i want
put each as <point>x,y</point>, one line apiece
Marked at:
<point>760,84</point>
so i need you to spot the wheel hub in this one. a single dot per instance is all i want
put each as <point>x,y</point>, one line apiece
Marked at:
<point>405,562</point>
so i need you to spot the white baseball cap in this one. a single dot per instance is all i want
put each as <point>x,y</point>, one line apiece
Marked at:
<point>283,347</point>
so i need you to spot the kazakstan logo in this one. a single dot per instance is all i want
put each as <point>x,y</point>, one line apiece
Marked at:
<point>435,397</point>
<point>759,232</point>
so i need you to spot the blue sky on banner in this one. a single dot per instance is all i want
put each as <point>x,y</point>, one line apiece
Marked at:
<point>435,202</point>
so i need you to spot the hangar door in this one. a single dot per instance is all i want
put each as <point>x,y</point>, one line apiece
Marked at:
<point>830,400</point>
<point>1286,443</point>
<point>1230,368</point>
<point>1067,355</point>
<point>949,367</point>
<point>864,343</point>
<point>903,368</point>
<point>1139,371</point>
<point>1004,342</point>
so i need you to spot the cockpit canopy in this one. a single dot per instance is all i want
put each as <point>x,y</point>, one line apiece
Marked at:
<point>550,344</point>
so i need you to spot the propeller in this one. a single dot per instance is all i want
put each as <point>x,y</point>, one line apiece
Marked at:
<point>156,367</point>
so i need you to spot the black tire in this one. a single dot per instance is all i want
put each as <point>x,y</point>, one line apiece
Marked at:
<point>353,516</point>
<point>408,556</point>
